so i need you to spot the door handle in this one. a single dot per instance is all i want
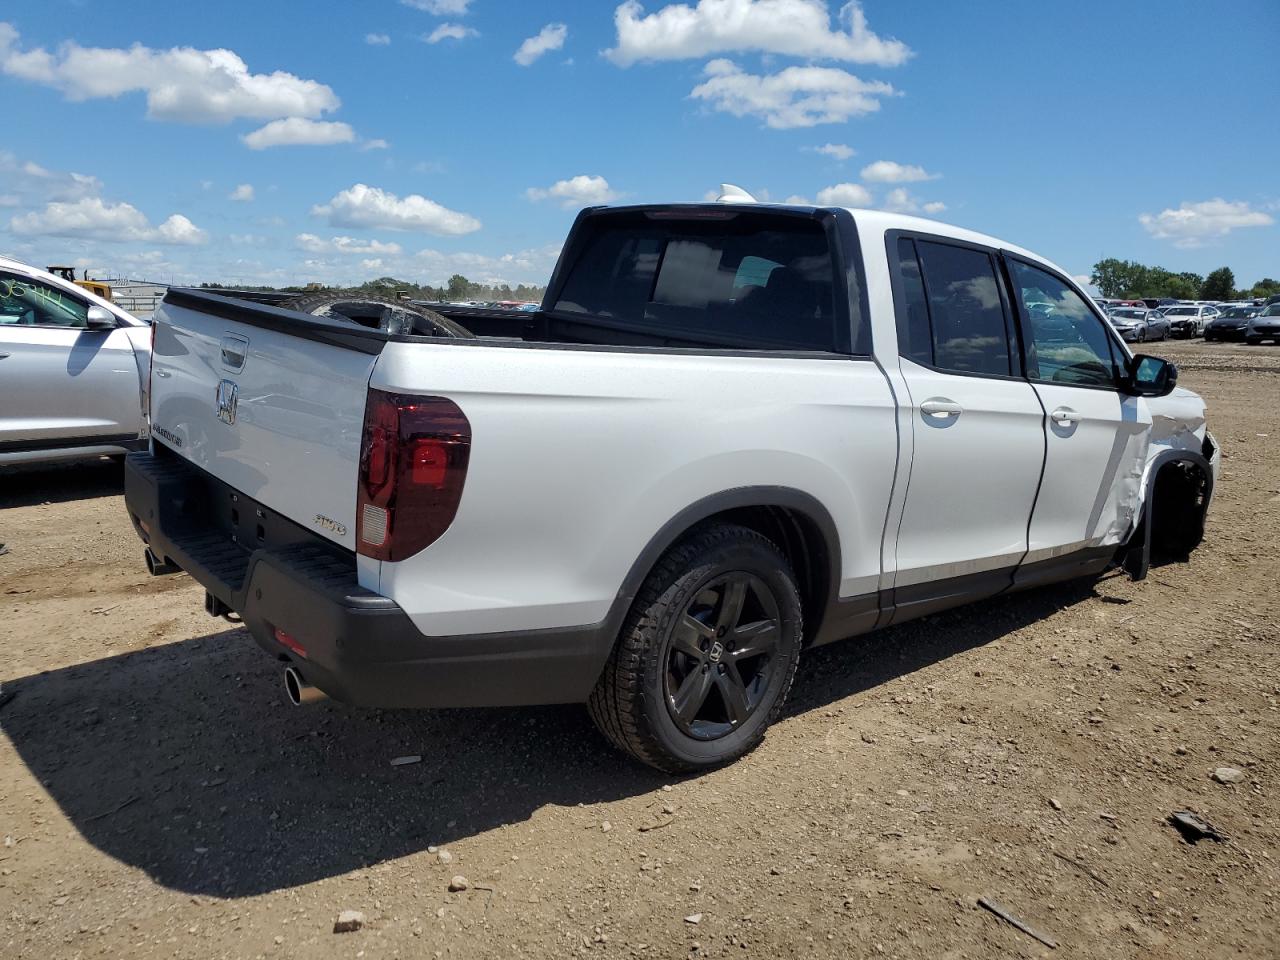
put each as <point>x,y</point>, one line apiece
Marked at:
<point>5,356</point>
<point>1065,416</point>
<point>941,407</point>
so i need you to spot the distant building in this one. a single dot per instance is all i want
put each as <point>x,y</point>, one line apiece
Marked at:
<point>139,297</point>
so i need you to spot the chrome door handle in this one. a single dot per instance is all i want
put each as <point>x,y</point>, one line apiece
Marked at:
<point>1065,416</point>
<point>5,356</point>
<point>941,407</point>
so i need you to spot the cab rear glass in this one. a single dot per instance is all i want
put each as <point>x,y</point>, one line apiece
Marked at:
<point>749,280</point>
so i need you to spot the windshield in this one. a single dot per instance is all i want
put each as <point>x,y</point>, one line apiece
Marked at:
<point>1241,313</point>
<point>1272,311</point>
<point>1128,314</point>
<point>1180,311</point>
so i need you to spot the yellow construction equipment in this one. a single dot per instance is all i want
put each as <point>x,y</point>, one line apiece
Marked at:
<point>94,286</point>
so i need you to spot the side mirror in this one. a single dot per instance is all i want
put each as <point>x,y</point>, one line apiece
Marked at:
<point>100,318</point>
<point>1149,376</point>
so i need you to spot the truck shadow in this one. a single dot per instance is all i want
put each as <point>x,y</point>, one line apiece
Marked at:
<point>25,485</point>
<point>183,760</point>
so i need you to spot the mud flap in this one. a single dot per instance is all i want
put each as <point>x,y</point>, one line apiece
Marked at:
<point>1135,556</point>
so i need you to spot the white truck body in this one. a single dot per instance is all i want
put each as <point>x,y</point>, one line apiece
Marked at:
<point>927,486</point>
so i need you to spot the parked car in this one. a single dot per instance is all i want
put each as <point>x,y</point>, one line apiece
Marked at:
<point>73,370</point>
<point>1265,326</point>
<point>1230,324</point>
<point>731,433</point>
<point>1138,324</point>
<point>1189,320</point>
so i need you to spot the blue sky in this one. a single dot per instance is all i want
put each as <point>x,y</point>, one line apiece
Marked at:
<point>287,142</point>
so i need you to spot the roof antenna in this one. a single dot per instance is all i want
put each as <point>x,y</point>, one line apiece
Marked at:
<point>731,194</point>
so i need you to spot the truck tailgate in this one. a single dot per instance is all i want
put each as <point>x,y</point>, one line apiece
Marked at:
<point>275,415</point>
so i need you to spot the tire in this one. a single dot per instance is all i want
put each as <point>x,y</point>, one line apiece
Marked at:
<point>379,313</point>
<point>1142,334</point>
<point>659,662</point>
<point>1253,341</point>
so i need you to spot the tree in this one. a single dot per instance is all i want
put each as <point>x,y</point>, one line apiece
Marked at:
<point>1219,285</point>
<point>459,287</point>
<point>1266,287</point>
<point>1117,278</point>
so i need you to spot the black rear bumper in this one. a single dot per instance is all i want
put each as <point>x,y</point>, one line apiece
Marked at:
<point>361,647</point>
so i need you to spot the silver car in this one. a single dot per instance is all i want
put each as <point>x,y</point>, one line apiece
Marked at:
<point>1138,324</point>
<point>73,370</point>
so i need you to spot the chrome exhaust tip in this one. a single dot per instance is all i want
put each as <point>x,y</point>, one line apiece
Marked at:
<point>298,690</point>
<point>157,567</point>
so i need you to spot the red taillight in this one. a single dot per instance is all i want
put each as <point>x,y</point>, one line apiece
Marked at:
<point>413,461</point>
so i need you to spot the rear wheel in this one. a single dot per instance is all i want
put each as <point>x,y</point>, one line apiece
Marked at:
<point>379,313</point>
<point>706,655</point>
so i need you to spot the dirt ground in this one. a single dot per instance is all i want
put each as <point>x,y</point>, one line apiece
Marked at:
<point>159,799</point>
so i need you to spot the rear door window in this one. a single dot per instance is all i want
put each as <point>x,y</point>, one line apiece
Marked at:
<point>954,315</point>
<point>742,280</point>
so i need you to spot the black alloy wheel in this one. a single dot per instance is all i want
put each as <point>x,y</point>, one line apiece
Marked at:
<point>707,652</point>
<point>719,655</point>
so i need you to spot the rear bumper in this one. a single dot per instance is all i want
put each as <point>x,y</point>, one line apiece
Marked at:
<point>360,647</point>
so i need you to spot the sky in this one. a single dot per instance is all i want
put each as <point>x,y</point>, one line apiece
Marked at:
<point>287,142</point>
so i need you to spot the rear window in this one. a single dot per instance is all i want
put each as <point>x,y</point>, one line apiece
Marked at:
<point>741,280</point>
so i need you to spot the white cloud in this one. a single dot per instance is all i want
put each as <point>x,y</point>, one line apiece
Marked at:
<point>449,31</point>
<point>369,207</point>
<point>91,218</point>
<point>350,245</point>
<point>181,83</point>
<point>377,39</point>
<point>886,171</point>
<point>30,182</point>
<point>579,191</point>
<point>297,131</point>
<point>837,151</point>
<point>551,37</point>
<point>795,97</point>
<point>900,200</point>
<point>844,195</point>
<point>934,206</point>
<point>440,8</point>
<point>1194,224</point>
<point>378,144</point>
<point>243,193</point>
<point>798,28</point>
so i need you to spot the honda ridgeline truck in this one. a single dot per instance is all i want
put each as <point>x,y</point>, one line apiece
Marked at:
<point>732,432</point>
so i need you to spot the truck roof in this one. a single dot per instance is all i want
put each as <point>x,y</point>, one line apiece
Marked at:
<point>875,221</point>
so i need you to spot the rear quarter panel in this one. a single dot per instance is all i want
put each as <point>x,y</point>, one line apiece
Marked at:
<point>579,458</point>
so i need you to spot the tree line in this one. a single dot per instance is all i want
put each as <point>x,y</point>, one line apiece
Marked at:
<point>1127,280</point>
<point>458,287</point>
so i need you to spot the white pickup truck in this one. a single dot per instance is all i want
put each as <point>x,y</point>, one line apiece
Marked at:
<point>731,432</point>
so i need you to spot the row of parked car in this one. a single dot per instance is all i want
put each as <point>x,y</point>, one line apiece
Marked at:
<point>1138,321</point>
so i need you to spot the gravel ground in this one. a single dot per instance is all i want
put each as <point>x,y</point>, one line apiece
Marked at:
<point>159,799</point>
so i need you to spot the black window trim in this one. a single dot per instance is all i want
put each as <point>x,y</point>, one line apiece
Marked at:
<point>846,260</point>
<point>1118,354</point>
<point>1012,332</point>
